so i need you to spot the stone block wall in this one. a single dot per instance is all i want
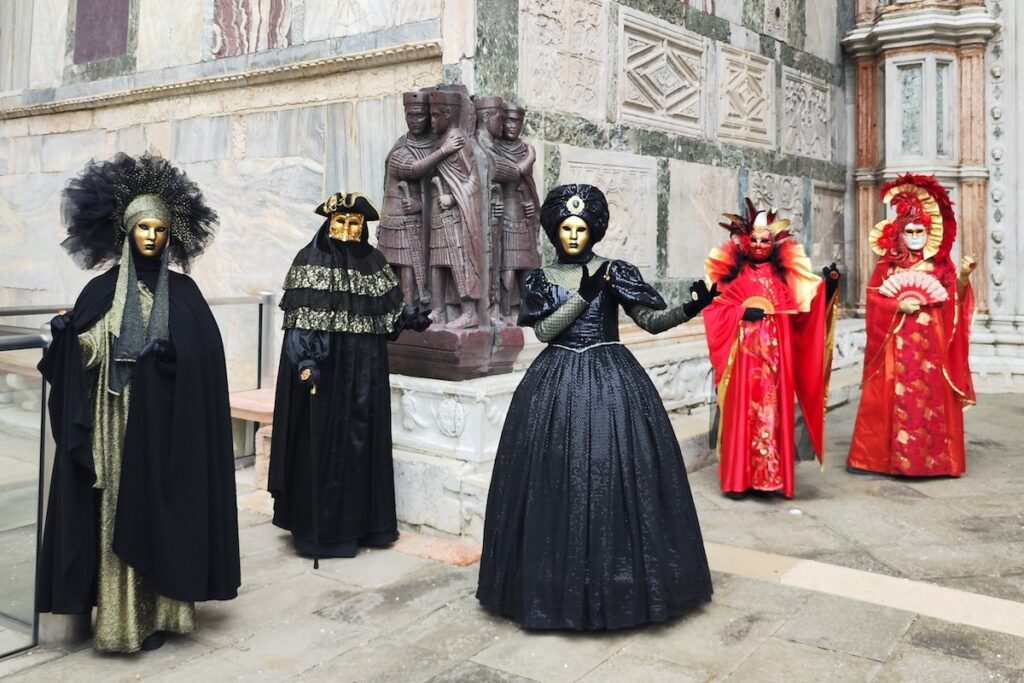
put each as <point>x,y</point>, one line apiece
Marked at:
<point>678,110</point>
<point>269,106</point>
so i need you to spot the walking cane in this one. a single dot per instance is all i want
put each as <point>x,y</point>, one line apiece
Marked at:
<point>315,473</point>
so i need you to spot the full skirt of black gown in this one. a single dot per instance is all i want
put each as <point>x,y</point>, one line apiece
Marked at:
<point>590,520</point>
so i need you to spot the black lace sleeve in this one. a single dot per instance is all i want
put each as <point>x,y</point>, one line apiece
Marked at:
<point>540,298</point>
<point>629,287</point>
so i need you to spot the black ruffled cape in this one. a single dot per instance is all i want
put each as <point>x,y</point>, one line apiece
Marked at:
<point>177,519</point>
<point>342,304</point>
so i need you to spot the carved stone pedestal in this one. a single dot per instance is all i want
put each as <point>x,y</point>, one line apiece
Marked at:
<point>455,354</point>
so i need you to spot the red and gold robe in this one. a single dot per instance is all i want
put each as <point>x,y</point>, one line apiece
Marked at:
<point>917,381</point>
<point>760,366</point>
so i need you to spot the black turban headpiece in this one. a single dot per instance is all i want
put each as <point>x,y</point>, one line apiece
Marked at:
<point>585,201</point>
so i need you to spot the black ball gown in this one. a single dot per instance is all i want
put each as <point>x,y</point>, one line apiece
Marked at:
<point>590,521</point>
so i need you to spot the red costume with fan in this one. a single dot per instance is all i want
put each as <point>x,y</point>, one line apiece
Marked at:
<point>760,364</point>
<point>916,374</point>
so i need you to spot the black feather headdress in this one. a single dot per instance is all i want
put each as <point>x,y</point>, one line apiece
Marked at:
<point>95,201</point>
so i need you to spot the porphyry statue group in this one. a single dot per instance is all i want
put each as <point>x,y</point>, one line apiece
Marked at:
<point>590,522</point>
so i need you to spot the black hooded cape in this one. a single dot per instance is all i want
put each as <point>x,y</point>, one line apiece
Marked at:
<point>177,517</point>
<point>351,411</point>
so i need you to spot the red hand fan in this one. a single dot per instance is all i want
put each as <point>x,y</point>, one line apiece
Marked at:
<point>914,285</point>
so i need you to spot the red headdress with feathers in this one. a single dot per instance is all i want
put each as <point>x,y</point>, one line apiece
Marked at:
<point>922,200</point>
<point>741,227</point>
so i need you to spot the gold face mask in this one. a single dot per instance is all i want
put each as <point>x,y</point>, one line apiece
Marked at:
<point>347,227</point>
<point>150,236</point>
<point>574,234</point>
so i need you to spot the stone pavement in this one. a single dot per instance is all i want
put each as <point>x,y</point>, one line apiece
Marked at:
<point>396,615</point>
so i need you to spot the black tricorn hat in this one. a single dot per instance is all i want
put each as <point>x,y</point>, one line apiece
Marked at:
<point>349,202</point>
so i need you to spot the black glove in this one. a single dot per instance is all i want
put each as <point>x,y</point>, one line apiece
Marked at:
<point>752,315</point>
<point>417,321</point>
<point>161,349</point>
<point>592,285</point>
<point>831,275</point>
<point>314,373</point>
<point>700,297</point>
<point>60,322</point>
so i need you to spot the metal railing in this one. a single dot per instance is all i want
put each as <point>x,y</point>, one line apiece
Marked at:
<point>22,342</point>
<point>264,301</point>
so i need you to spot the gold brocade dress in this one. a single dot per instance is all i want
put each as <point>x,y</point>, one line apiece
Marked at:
<point>127,608</point>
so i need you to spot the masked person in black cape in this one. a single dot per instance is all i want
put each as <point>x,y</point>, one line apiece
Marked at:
<point>331,472</point>
<point>590,522</point>
<point>142,519</point>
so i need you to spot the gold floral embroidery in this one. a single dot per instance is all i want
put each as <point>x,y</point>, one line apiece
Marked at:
<point>341,280</point>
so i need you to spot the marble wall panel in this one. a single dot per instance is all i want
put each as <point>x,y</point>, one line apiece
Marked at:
<point>822,30</point>
<point>699,195</point>
<point>662,74</point>
<point>730,10</point>
<point>285,133</point>
<point>131,140</point>
<point>826,232</point>
<point>245,26</point>
<point>746,98</point>
<point>26,155</point>
<point>630,183</point>
<point>101,29</point>
<point>562,56</point>
<point>201,139</point>
<point>49,26</point>
<point>358,138</point>
<point>15,44</point>
<point>336,18</point>
<point>68,152</point>
<point>807,115</point>
<point>265,207</point>
<point>32,264</point>
<point>182,22</point>
<point>784,193</point>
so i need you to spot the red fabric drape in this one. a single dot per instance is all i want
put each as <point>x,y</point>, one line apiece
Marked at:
<point>917,380</point>
<point>759,367</point>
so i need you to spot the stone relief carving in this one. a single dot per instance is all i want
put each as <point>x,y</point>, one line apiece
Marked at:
<point>687,381</point>
<point>746,97</point>
<point>807,116</point>
<point>776,19</point>
<point>828,240</point>
<point>630,185</point>
<point>562,55</point>
<point>413,416</point>
<point>662,74</point>
<point>785,193</point>
<point>999,299</point>
<point>451,417</point>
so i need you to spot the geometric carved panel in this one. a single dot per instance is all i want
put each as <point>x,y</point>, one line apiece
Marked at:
<point>662,70</point>
<point>806,115</point>
<point>630,184</point>
<point>746,110</point>
<point>562,56</point>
